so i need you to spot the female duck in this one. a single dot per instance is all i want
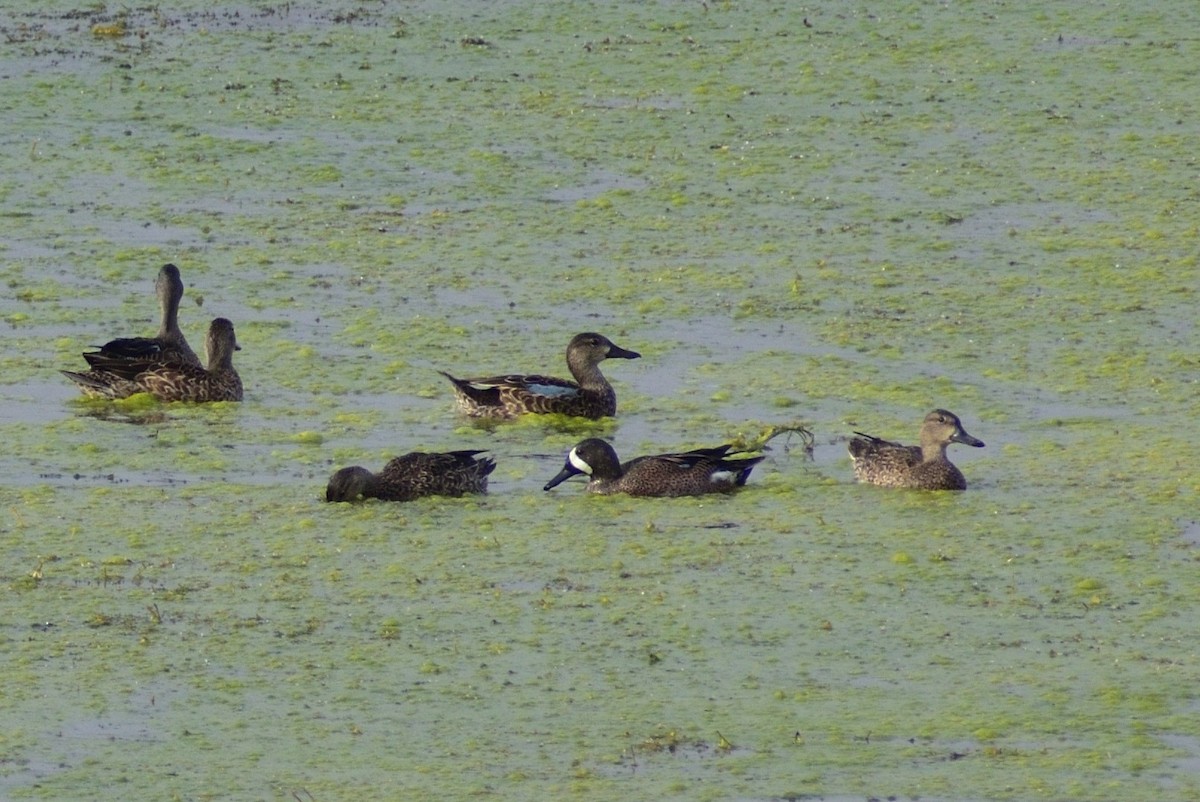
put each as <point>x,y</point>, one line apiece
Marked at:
<point>507,397</point>
<point>923,467</point>
<point>690,473</point>
<point>169,345</point>
<point>414,475</point>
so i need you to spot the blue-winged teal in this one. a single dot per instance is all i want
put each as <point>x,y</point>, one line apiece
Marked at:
<point>507,397</point>
<point>691,473</point>
<point>168,346</point>
<point>412,476</point>
<point>923,467</point>
<point>121,378</point>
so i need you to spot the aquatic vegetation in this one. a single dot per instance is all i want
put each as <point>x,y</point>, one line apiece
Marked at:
<point>808,219</point>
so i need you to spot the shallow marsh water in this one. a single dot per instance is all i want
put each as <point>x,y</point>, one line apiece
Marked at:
<point>840,217</point>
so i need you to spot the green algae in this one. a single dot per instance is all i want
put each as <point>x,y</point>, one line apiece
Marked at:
<point>846,224</point>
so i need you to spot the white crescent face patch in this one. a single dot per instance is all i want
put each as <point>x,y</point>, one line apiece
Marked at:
<point>579,464</point>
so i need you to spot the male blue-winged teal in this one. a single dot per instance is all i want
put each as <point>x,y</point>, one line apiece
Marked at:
<point>690,473</point>
<point>167,381</point>
<point>414,475</point>
<point>507,397</point>
<point>923,467</point>
<point>168,346</point>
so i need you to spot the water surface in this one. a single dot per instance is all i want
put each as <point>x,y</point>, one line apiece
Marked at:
<point>839,217</point>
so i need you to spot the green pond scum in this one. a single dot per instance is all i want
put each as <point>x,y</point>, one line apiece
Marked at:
<point>819,219</point>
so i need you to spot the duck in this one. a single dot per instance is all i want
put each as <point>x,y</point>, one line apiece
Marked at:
<point>414,475</point>
<point>169,346</point>
<point>169,381</point>
<point>509,397</point>
<point>687,473</point>
<point>924,467</point>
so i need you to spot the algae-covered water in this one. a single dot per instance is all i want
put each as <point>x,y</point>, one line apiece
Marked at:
<point>835,216</point>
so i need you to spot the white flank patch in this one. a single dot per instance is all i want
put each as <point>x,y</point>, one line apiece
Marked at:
<point>722,477</point>
<point>554,390</point>
<point>579,464</point>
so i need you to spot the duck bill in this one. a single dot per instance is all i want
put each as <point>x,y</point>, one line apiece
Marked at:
<point>617,352</point>
<point>566,473</point>
<point>961,436</point>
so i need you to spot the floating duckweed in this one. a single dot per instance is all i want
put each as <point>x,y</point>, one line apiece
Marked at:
<point>649,306</point>
<point>308,438</point>
<point>326,174</point>
<point>401,587</point>
<point>902,558</point>
<point>25,583</point>
<point>111,29</point>
<point>136,402</point>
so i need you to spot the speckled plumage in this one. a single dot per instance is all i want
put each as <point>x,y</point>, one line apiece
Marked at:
<point>169,381</point>
<point>507,397</point>
<point>169,346</point>
<point>689,473</point>
<point>414,475</point>
<point>923,467</point>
